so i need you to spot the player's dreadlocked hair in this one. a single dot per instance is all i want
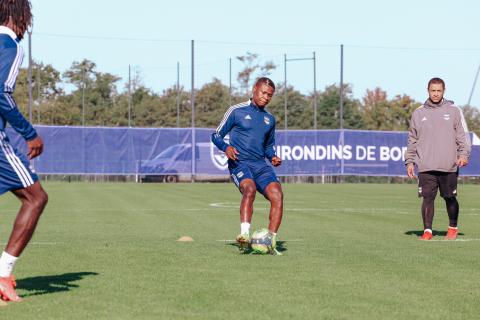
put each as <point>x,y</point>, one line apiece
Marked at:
<point>21,13</point>
<point>266,81</point>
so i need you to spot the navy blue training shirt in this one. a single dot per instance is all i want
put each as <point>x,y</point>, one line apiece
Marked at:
<point>251,130</point>
<point>11,56</point>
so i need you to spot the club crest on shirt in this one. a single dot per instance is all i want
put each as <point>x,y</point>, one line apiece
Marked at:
<point>446,116</point>
<point>266,120</point>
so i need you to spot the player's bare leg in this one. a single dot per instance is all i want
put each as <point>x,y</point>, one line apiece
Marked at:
<point>248,190</point>
<point>274,194</point>
<point>33,200</point>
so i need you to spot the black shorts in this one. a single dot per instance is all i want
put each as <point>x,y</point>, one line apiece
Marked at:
<point>430,181</point>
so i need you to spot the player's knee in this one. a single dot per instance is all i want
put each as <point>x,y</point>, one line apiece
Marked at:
<point>39,200</point>
<point>42,199</point>
<point>429,199</point>
<point>450,199</point>
<point>276,196</point>
<point>249,191</point>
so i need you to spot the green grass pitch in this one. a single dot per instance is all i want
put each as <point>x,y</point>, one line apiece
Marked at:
<point>109,251</point>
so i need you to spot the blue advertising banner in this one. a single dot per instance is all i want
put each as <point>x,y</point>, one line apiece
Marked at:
<point>161,151</point>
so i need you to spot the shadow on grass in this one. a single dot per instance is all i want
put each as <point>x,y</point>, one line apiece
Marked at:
<point>434,233</point>
<point>51,284</point>
<point>281,247</point>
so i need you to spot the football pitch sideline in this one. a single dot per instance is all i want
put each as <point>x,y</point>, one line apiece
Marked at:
<point>110,251</point>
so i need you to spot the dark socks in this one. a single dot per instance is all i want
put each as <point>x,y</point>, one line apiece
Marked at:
<point>452,209</point>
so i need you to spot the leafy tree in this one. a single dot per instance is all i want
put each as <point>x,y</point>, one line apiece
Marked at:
<point>211,103</point>
<point>383,114</point>
<point>81,74</point>
<point>267,68</point>
<point>45,87</point>
<point>250,67</point>
<point>404,107</point>
<point>472,117</point>
<point>107,107</point>
<point>329,113</point>
<point>96,91</point>
<point>299,115</point>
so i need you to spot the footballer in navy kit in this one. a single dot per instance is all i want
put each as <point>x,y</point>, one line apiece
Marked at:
<point>252,137</point>
<point>16,175</point>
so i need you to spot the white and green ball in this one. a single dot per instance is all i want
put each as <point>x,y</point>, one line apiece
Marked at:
<point>262,241</point>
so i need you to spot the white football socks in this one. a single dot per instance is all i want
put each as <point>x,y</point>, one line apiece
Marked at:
<point>244,228</point>
<point>7,261</point>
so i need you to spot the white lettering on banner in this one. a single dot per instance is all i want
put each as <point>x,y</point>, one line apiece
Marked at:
<point>361,153</point>
<point>384,153</point>
<point>309,153</point>
<point>286,151</point>
<point>392,154</point>
<point>371,153</point>
<point>347,152</point>
<point>297,153</point>
<point>336,152</point>
<point>318,152</point>
<point>365,153</point>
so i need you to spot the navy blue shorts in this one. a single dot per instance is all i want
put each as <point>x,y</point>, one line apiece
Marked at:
<point>259,171</point>
<point>15,170</point>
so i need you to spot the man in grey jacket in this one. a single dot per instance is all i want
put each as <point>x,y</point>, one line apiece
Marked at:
<point>438,144</point>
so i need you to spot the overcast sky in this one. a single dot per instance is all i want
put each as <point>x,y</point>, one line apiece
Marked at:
<point>395,45</point>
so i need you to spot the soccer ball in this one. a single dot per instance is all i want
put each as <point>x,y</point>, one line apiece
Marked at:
<point>263,242</point>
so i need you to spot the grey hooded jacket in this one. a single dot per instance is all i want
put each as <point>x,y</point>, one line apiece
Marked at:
<point>437,137</point>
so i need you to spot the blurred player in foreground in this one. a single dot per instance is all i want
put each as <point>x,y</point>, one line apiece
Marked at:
<point>438,144</point>
<point>16,174</point>
<point>252,138</point>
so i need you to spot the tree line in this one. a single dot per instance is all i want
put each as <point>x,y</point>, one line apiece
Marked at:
<point>93,98</point>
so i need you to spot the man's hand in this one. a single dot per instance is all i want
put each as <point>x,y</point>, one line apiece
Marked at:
<point>231,153</point>
<point>35,147</point>
<point>462,162</point>
<point>276,161</point>
<point>411,171</point>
